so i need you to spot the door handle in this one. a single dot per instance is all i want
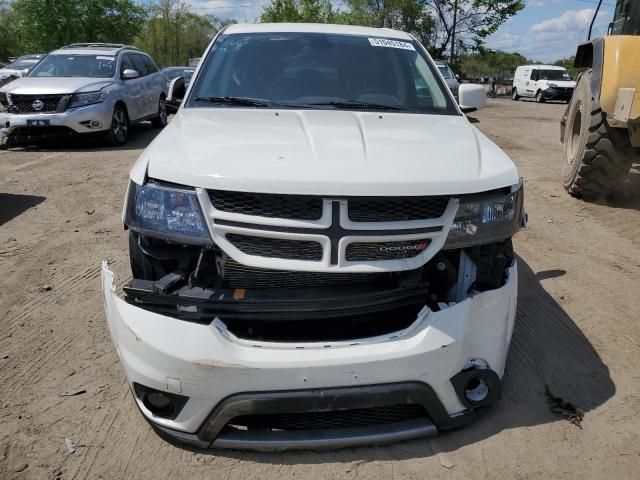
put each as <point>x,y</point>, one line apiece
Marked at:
<point>141,85</point>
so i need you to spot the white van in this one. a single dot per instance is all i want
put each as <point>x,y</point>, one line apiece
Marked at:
<point>542,82</point>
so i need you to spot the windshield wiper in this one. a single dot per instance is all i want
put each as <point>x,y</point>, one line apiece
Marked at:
<point>254,102</point>
<point>356,104</point>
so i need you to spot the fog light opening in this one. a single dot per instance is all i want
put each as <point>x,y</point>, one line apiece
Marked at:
<point>158,404</point>
<point>95,124</point>
<point>476,390</point>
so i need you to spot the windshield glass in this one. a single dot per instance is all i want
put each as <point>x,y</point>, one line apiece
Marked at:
<point>554,75</point>
<point>446,73</point>
<point>22,64</point>
<point>314,70</point>
<point>69,65</point>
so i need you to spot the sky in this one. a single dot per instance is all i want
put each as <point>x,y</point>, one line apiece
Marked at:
<point>546,30</point>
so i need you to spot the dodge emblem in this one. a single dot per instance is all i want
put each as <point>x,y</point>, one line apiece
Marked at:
<point>38,105</point>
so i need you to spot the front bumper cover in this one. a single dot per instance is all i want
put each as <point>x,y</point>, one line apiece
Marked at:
<point>221,373</point>
<point>76,120</point>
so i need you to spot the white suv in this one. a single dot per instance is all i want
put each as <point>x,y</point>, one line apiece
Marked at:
<point>321,248</point>
<point>84,88</point>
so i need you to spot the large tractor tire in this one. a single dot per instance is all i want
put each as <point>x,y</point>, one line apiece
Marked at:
<point>597,156</point>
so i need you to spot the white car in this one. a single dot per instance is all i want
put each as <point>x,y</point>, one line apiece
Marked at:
<point>84,89</point>
<point>321,248</point>
<point>542,82</point>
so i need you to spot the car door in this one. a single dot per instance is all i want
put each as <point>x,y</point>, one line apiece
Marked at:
<point>145,100</point>
<point>132,95</point>
<point>156,83</point>
<point>532,82</point>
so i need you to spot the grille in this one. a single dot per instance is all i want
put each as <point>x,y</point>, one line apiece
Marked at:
<point>362,417</point>
<point>299,207</point>
<point>396,209</point>
<point>236,275</point>
<point>24,103</point>
<point>276,248</point>
<point>386,250</point>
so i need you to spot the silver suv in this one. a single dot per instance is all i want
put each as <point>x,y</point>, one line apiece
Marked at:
<point>84,88</point>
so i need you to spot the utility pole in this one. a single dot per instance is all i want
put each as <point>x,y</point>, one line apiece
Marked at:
<point>453,31</point>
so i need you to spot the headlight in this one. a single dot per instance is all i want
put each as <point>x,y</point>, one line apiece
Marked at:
<point>171,214</point>
<point>552,85</point>
<point>487,219</point>
<point>84,99</point>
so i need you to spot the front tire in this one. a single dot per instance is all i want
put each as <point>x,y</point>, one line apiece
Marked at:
<point>596,156</point>
<point>119,131</point>
<point>540,97</point>
<point>160,121</point>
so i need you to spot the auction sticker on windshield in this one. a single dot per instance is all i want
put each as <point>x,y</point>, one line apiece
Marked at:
<point>384,42</point>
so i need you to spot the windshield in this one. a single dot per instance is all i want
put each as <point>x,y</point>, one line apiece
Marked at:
<point>314,70</point>
<point>446,73</point>
<point>554,75</point>
<point>73,65</point>
<point>22,64</point>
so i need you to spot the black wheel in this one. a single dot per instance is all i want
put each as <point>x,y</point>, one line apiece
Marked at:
<point>539,97</point>
<point>597,156</point>
<point>119,131</point>
<point>514,95</point>
<point>161,120</point>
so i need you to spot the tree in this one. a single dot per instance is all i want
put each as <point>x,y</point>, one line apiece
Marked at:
<point>43,25</point>
<point>568,64</point>
<point>298,11</point>
<point>8,46</point>
<point>172,34</point>
<point>469,22</point>
<point>486,63</point>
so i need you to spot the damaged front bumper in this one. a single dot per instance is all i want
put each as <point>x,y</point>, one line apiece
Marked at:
<point>223,381</point>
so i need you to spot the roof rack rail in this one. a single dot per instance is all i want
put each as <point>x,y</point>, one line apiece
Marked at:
<point>98,45</point>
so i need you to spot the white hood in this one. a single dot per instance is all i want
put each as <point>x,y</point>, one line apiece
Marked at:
<point>561,83</point>
<point>325,152</point>
<point>55,85</point>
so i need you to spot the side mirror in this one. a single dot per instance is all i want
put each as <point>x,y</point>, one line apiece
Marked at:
<point>176,92</point>
<point>457,77</point>
<point>471,97</point>
<point>130,74</point>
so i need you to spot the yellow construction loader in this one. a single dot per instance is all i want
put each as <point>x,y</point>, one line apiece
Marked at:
<point>601,126</point>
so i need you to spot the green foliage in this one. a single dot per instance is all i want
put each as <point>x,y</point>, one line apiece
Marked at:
<point>489,63</point>
<point>8,45</point>
<point>568,64</point>
<point>431,21</point>
<point>475,21</point>
<point>299,11</point>
<point>43,25</point>
<point>172,34</point>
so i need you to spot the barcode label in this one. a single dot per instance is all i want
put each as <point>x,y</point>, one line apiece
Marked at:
<point>384,42</point>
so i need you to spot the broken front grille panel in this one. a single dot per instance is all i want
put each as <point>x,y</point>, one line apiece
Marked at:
<point>335,419</point>
<point>236,275</point>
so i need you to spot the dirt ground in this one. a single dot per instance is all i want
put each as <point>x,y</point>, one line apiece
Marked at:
<point>577,331</point>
